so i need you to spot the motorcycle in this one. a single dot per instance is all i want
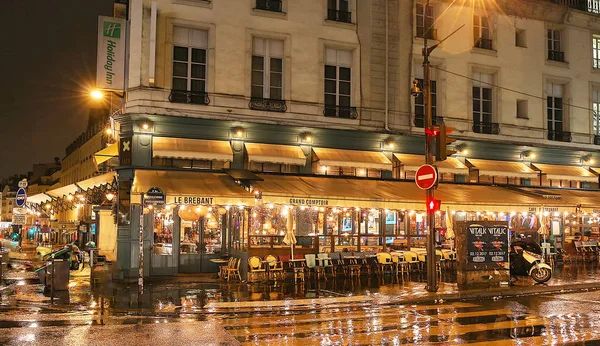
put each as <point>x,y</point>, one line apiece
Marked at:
<point>526,259</point>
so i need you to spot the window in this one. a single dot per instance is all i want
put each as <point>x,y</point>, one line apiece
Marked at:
<point>554,46</point>
<point>339,10</point>
<point>269,5</point>
<point>522,109</point>
<point>338,83</point>
<point>481,32</point>
<point>267,69</point>
<point>596,112</point>
<point>520,38</point>
<point>189,59</point>
<point>482,102</point>
<point>596,51</point>
<point>554,104</point>
<point>425,22</point>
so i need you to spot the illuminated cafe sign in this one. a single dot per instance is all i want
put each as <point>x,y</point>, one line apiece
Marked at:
<point>192,200</point>
<point>309,201</point>
<point>548,209</point>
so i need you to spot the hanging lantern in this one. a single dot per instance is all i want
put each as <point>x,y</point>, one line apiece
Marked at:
<point>188,214</point>
<point>222,211</point>
<point>201,211</point>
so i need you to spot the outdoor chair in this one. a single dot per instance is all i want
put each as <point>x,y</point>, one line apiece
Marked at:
<point>384,261</point>
<point>323,265</point>
<point>223,269</point>
<point>336,261</point>
<point>311,264</point>
<point>412,260</point>
<point>234,270</point>
<point>275,266</point>
<point>256,268</point>
<point>400,265</point>
<point>351,265</point>
<point>285,262</point>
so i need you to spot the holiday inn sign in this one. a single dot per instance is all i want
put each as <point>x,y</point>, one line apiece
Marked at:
<point>110,69</point>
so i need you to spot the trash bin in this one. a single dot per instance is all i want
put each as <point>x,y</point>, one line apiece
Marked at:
<point>59,276</point>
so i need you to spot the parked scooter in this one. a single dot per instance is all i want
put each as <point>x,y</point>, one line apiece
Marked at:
<point>526,259</point>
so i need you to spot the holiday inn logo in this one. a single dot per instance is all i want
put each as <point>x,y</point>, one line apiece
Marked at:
<point>111,30</point>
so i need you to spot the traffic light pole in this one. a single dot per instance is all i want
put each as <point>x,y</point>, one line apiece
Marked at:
<point>431,258</point>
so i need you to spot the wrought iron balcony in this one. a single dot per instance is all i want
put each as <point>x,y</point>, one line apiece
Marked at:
<point>555,55</point>
<point>340,112</point>
<point>592,6</point>
<point>269,5</point>
<point>420,120</point>
<point>181,96</point>
<point>431,34</point>
<point>597,139</point>
<point>484,43</point>
<point>559,136</point>
<point>339,16</point>
<point>269,105</point>
<point>487,128</point>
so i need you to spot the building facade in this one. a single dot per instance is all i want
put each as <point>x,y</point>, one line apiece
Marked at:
<point>260,118</point>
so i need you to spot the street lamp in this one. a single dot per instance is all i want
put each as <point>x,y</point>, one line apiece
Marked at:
<point>97,94</point>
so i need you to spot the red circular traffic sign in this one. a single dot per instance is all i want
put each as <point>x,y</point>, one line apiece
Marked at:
<point>426,177</point>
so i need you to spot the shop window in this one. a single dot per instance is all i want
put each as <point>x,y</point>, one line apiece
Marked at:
<point>525,182</point>
<point>190,164</point>
<point>373,173</point>
<point>351,171</point>
<point>201,230</point>
<point>163,232</point>
<point>238,221</point>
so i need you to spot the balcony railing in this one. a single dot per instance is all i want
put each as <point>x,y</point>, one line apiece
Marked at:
<point>340,112</point>
<point>597,139</point>
<point>592,6</point>
<point>420,120</point>
<point>422,32</point>
<point>339,16</point>
<point>180,96</point>
<point>559,136</point>
<point>555,55</point>
<point>269,5</point>
<point>484,43</point>
<point>269,105</point>
<point>487,128</point>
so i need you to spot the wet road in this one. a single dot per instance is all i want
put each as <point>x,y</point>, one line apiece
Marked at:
<point>536,320</point>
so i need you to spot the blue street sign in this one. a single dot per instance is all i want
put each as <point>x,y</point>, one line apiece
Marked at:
<point>21,198</point>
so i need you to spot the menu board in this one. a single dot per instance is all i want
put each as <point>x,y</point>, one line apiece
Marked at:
<point>487,244</point>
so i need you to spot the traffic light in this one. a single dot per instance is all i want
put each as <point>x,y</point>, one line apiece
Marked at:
<point>433,205</point>
<point>442,141</point>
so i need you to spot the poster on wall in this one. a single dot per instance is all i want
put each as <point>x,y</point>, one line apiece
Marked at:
<point>487,245</point>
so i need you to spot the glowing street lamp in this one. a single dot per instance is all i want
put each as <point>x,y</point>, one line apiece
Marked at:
<point>97,94</point>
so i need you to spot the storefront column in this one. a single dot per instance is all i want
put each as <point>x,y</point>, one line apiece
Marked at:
<point>382,227</point>
<point>307,168</point>
<point>388,174</point>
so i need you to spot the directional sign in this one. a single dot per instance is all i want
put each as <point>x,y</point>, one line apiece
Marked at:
<point>426,177</point>
<point>155,196</point>
<point>19,216</point>
<point>21,198</point>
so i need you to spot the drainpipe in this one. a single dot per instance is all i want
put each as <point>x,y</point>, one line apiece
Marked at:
<point>387,78</point>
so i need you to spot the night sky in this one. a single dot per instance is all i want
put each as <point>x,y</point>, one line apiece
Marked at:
<point>47,65</point>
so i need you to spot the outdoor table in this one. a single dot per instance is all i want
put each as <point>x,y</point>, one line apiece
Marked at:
<point>219,261</point>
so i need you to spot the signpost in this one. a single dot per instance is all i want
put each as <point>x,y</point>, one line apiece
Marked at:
<point>426,177</point>
<point>19,216</point>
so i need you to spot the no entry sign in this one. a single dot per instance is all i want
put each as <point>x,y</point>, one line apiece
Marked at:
<point>426,177</point>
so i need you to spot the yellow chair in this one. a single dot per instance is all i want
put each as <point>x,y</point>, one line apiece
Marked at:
<point>275,267</point>
<point>234,270</point>
<point>400,264</point>
<point>255,268</point>
<point>411,259</point>
<point>384,260</point>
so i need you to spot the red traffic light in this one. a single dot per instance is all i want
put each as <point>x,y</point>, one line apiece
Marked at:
<point>434,204</point>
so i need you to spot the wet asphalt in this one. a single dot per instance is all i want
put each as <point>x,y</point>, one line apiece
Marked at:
<point>201,310</point>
